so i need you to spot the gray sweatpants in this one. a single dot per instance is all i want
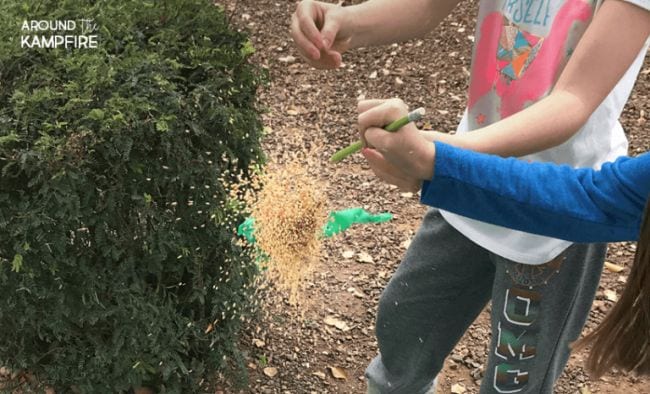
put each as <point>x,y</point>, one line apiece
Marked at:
<point>444,282</point>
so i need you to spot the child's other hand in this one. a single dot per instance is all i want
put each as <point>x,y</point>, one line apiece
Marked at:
<point>318,31</point>
<point>404,158</point>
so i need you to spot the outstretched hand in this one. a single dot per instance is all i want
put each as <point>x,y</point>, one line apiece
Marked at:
<point>403,158</point>
<point>316,28</point>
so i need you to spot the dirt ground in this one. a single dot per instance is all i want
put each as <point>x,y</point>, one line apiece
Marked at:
<point>293,350</point>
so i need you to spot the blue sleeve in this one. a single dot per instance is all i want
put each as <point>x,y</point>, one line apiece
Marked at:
<point>579,205</point>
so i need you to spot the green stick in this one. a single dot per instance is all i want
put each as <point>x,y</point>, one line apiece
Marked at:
<point>356,146</point>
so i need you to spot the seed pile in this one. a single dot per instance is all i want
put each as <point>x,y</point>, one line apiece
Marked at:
<point>290,210</point>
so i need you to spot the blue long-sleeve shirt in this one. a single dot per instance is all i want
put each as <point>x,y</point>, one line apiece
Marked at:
<point>579,205</point>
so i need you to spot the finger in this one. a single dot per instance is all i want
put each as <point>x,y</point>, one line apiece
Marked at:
<point>333,58</point>
<point>326,60</point>
<point>329,31</point>
<point>389,174</point>
<point>342,45</point>
<point>379,169</point>
<point>305,46</point>
<point>383,114</point>
<point>306,15</point>
<point>364,105</point>
<point>379,162</point>
<point>377,138</point>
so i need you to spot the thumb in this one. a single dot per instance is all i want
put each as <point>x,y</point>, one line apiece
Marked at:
<point>329,31</point>
<point>377,138</point>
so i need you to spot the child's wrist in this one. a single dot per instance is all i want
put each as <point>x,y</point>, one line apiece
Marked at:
<point>428,164</point>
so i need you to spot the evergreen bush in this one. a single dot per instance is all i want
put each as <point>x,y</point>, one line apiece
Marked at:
<point>118,263</point>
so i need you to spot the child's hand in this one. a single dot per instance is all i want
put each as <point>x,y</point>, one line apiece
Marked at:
<point>389,173</point>
<point>404,158</point>
<point>316,28</point>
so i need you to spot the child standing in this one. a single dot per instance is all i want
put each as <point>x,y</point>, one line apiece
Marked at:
<point>581,205</point>
<point>547,84</point>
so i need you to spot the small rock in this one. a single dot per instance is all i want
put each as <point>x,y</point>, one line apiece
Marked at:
<point>611,295</point>
<point>270,371</point>
<point>364,257</point>
<point>287,59</point>
<point>458,389</point>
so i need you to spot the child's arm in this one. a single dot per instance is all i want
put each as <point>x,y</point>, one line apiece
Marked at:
<point>581,205</point>
<point>322,31</point>
<point>608,47</point>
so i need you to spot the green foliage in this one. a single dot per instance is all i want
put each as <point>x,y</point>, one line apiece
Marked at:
<point>117,253</point>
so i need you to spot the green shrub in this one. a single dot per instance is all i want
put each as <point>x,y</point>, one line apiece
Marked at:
<point>117,253</point>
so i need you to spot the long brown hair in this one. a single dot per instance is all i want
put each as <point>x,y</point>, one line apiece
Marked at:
<point>622,340</point>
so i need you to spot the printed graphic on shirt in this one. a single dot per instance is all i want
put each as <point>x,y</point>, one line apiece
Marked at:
<point>517,49</point>
<point>536,15</point>
<point>521,48</point>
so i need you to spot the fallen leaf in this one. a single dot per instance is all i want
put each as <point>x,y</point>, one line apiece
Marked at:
<point>210,328</point>
<point>356,292</point>
<point>338,373</point>
<point>348,254</point>
<point>406,195</point>
<point>319,374</point>
<point>364,257</point>
<point>458,389</point>
<point>611,295</point>
<point>252,366</point>
<point>340,324</point>
<point>258,342</point>
<point>613,267</point>
<point>270,371</point>
<point>292,112</point>
<point>399,81</point>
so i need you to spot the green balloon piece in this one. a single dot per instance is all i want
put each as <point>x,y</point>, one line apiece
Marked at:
<point>247,229</point>
<point>337,222</point>
<point>340,221</point>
